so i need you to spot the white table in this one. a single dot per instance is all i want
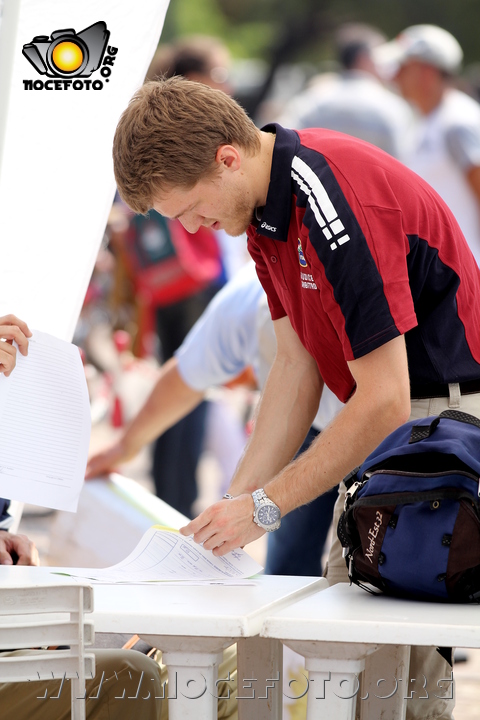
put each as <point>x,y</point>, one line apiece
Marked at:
<point>344,629</point>
<point>192,625</point>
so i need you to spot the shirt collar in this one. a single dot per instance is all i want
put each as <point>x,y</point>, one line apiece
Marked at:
<point>276,213</point>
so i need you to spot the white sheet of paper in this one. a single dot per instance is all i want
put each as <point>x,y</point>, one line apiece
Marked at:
<point>165,555</point>
<point>45,411</point>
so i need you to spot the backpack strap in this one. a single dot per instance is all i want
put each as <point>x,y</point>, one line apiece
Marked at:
<point>461,417</point>
<point>421,432</point>
<point>351,477</point>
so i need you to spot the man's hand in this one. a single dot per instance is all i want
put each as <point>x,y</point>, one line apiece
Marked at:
<point>12,329</point>
<point>17,549</point>
<point>105,462</point>
<point>225,526</point>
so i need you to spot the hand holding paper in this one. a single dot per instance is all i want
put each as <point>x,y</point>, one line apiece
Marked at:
<point>12,329</point>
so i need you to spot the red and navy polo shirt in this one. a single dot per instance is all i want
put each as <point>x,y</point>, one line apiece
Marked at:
<point>357,249</point>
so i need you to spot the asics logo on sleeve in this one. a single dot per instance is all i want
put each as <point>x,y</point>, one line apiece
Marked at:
<point>265,226</point>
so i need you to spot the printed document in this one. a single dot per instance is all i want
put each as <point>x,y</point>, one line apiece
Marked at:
<point>165,555</point>
<point>46,422</point>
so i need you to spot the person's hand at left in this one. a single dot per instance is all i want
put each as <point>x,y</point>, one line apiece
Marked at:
<point>105,462</point>
<point>225,526</point>
<point>17,550</point>
<point>12,329</point>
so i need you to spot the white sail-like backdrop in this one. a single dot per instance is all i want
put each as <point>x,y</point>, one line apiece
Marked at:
<point>56,131</point>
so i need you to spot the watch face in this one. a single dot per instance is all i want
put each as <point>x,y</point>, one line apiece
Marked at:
<point>268,514</point>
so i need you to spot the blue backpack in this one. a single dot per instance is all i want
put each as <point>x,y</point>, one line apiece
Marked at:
<point>411,523</point>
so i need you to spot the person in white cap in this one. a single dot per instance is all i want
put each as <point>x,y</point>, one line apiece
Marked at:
<point>423,61</point>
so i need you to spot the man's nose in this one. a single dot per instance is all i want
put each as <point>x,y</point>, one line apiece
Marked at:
<point>191,225</point>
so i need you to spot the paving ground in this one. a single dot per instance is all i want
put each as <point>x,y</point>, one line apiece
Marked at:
<point>36,523</point>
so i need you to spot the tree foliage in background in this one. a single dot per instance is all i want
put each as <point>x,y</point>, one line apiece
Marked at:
<point>288,31</point>
<point>254,28</point>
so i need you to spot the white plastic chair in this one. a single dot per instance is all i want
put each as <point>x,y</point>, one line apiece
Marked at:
<point>42,616</point>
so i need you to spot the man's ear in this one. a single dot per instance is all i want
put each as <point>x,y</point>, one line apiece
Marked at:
<point>229,157</point>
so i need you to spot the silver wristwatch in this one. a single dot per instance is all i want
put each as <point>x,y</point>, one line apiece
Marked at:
<point>266,514</point>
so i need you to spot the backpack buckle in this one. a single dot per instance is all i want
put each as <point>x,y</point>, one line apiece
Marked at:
<point>352,490</point>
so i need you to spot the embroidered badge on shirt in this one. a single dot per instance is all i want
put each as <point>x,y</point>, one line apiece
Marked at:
<point>301,256</point>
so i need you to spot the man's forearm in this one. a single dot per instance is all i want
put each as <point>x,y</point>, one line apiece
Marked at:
<point>170,400</point>
<point>287,407</point>
<point>356,431</point>
<point>380,404</point>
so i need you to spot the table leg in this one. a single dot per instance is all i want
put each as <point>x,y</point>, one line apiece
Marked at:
<point>386,682</point>
<point>333,688</point>
<point>191,685</point>
<point>259,678</point>
<point>192,664</point>
<point>333,676</point>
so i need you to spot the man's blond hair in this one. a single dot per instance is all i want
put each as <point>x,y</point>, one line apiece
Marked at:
<point>169,135</point>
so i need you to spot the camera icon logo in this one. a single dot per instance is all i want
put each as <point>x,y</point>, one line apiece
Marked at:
<point>67,54</point>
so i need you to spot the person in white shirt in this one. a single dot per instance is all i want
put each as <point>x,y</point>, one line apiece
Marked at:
<point>423,60</point>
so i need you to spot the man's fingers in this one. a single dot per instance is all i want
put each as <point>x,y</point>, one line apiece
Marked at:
<point>105,462</point>
<point>200,535</point>
<point>14,320</point>
<point>196,525</point>
<point>223,538</point>
<point>97,466</point>
<point>223,549</point>
<point>24,548</point>
<point>225,526</point>
<point>12,330</point>
<point>5,558</point>
<point>214,542</point>
<point>8,358</point>
<point>8,333</point>
<point>28,554</point>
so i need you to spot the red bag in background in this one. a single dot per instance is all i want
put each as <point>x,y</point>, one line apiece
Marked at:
<point>167,263</point>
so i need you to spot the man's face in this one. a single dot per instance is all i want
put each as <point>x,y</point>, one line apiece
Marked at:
<point>410,79</point>
<point>219,202</point>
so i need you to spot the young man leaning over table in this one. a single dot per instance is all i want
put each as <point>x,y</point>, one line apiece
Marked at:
<point>371,285</point>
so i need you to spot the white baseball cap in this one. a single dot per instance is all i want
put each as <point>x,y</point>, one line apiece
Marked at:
<point>427,43</point>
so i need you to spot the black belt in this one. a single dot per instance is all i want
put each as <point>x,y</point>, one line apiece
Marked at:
<point>439,390</point>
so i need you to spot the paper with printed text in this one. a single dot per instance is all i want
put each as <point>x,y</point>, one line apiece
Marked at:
<point>164,555</point>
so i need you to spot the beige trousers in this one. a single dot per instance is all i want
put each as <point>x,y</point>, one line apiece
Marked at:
<point>111,694</point>
<point>116,671</point>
